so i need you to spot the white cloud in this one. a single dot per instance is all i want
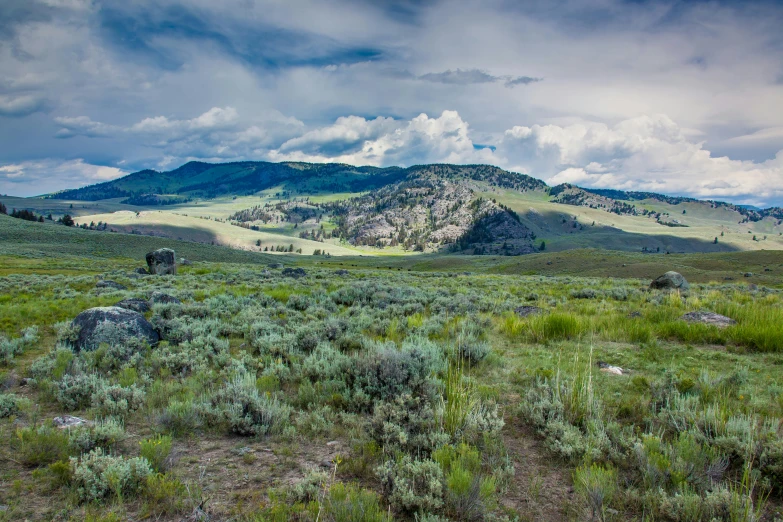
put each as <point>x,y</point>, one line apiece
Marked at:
<point>31,178</point>
<point>647,153</point>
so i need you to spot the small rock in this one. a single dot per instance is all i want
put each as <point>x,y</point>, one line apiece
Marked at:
<point>185,262</point>
<point>728,278</point>
<point>275,266</point>
<point>671,281</point>
<point>768,270</point>
<point>161,298</point>
<point>712,318</point>
<point>162,262</point>
<point>333,443</point>
<point>748,274</point>
<point>624,264</point>
<point>69,421</point>
<point>111,325</point>
<point>753,286</point>
<point>549,262</point>
<point>634,314</point>
<point>296,273</point>
<point>526,310</point>
<point>141,271</point>
<point>342,272</point>
<point>24,381</point>
<point>136,304</point>
<point>110,284</point>
<point>608,368</point>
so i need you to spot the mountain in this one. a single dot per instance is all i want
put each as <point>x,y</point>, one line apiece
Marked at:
<point>469,209</point>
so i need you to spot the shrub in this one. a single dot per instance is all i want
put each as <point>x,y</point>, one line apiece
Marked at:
<point>469,495</point>
<point>412,486</point>
<point>181,417</point>
<point>75,392</point>
<point>353,504</point>
<point>106,434</point>
<point>597,485</point>
<point>407,423</point>
<point>246,410</point>
<point>97,475</point>
<point>37,446</point>
<point>9,405</point>
<point>156,451</point>
<point>12,347</point>
<point>164,495</point>
<point>114,400</point>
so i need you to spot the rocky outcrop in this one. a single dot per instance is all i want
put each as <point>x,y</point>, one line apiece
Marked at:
<point>161,298</point>
<point>711,318</point>
<point>162,262</point>
<point>112,325</point>
<point>110,284</point>
<point>296,273</point>
<point>670,281</point>
<point>527,310</point>
<point>136,304</point>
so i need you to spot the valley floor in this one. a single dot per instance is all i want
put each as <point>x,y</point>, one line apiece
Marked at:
<point>404,389</point>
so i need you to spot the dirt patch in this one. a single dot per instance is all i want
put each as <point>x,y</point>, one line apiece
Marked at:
<point>235,473</point>
<point>541,489</point>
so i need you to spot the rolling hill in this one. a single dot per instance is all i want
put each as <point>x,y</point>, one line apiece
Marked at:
<point>344,210</point>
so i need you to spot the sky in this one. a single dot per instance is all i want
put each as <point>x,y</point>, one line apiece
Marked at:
<point>682,98</point>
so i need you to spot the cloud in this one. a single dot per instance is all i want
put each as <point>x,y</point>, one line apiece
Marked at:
<point>19,106</point>
<point>28,178</point>
<point>646,153</point>
<point>474,76</point>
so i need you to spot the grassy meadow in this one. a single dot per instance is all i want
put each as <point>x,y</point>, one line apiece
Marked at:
<point>378,389</point>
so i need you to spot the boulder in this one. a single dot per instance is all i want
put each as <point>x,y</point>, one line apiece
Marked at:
<point>185,262</point>
<point>161,298</point>
<point>342,272</point>
<point>111,324</point>
<point>136,304</point>
<point>275,265</point>
<point>110,284</point>
<point>69,421</point>
<point>526,310</point>
<point>721,321</point>
<point>162,262</point>
<point>296,273</point>
<point>670,281</point>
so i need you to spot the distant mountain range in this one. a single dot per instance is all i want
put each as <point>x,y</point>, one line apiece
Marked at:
<point>473,209</point>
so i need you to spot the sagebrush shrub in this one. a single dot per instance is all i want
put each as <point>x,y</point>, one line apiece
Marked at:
<point>97,475</point>
<point>247,411</point>
<point>105,433</point>
<point>9,405</point>
<point>114,400</point>
<point>412,486</point>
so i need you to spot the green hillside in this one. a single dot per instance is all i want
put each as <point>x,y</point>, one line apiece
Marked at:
<point>345,210</point>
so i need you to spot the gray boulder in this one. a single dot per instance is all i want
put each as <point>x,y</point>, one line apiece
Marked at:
<point>275,266</point>
<point>527,310</point>
<point>112,325</point>
<point>670,281</point>
<point>721,321</point>
<point>161,298</point>
<point>162,262</point>
<point>296,273</point>
<point>136,304</point>
<point>110,284</point>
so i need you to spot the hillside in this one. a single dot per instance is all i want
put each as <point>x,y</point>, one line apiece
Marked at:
<point>468,209</point>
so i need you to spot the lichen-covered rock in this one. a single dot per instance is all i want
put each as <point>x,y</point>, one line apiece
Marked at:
<point>670,281</point>
<point>136,304</point>
<point>296,273</point>
<point>161,298</point>
<point>162,262</point>
<point>112,325</point>
<point>526,310</point>
<point>711,318</point>
<point>110,284</point>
